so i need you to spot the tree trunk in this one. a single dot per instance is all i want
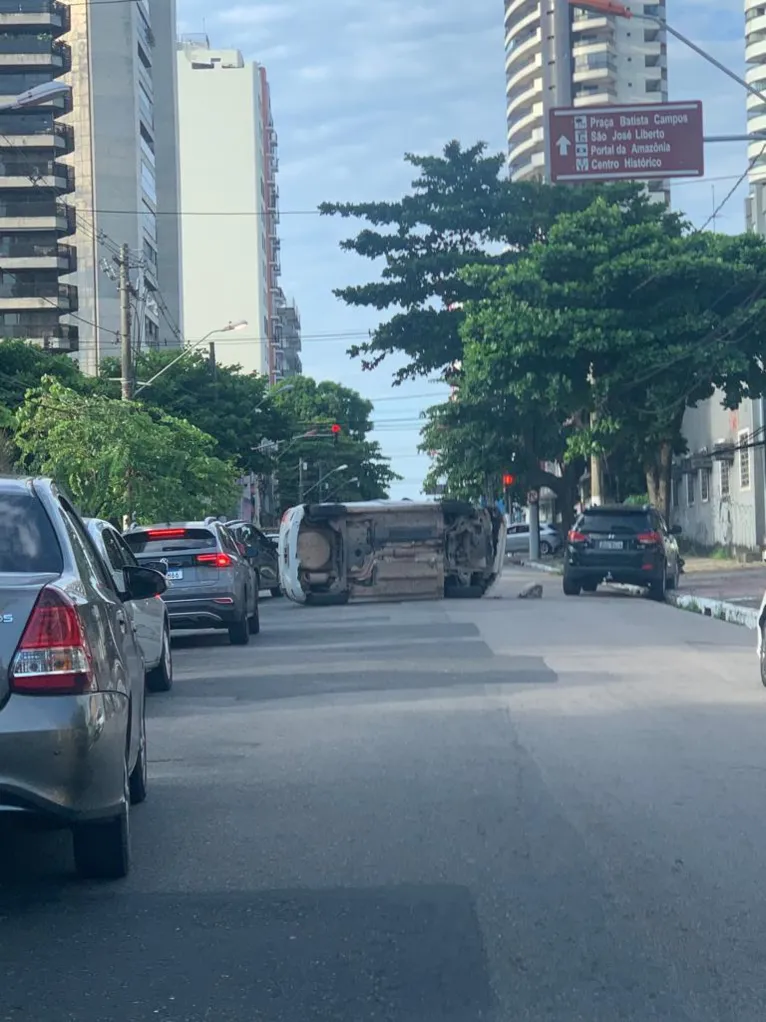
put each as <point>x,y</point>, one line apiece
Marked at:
<point>658,472</point>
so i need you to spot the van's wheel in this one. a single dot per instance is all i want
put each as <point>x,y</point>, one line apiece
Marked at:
<point>239,632</point>
<point>102,848</point>
<point>160,678</point>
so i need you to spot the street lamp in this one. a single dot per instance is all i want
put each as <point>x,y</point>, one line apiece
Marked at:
<point>621,11</point>
<point>276,389</point>
<point>37,95</point>
<point>239,325</point>
<point>340,468</point>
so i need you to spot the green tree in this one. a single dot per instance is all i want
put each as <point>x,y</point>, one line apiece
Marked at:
<point>231,406</point>
<point>312,409</point>
<point>625,313</point>
<point>118,459</point>
<point>460,213</point>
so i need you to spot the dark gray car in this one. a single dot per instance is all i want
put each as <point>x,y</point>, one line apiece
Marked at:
<point>211,582</point>
<point>72,726</point>
<point>262,552</point>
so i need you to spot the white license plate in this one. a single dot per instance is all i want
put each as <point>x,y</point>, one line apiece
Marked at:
<point>610,544</point>
<point>174,576</point>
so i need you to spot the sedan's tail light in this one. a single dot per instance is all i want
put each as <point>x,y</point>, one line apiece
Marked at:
<point>649,539</point>
<point>215,560</point>
<point>53,657</point>
<point>577,537</point>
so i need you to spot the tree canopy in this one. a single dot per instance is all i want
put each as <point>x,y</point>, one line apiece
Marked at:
<point>460,213</point>
<point>117,459</point>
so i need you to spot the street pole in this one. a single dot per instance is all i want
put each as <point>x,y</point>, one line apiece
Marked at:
<point>211,359</point>
<point>300,481</point>
<point>126,351</point>
<point>534,527</point>
<point>596,482</point>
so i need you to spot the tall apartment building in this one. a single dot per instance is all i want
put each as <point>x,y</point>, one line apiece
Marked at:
<point>36,222</point>
<point>125,164</point>
<point>229,163</point>
<point>558,55</point>
<point>287,341</point>
<point>755,56</point>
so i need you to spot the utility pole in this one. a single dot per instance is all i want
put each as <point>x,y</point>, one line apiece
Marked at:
<point>300,481</point>
<point>126,357</point>
<point>596,487</point>
<point>211,360</point>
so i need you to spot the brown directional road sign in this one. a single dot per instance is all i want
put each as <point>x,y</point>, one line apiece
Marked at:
<point>641,141</point>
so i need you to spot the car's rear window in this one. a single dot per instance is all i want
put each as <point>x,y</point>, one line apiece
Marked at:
<point>628,523</point>
<point>151,542</point>
<point>28,542</point>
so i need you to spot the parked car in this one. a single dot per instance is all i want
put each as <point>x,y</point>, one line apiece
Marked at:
<point>622,543</point>
<point>72,724</point>
<point>149,619</point>
<point>262,552</point>
<point>517,538</point>
<point>212,584</point>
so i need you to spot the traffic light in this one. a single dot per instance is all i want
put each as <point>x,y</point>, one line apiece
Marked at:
<point>336,431</point>
<point>508,479</point>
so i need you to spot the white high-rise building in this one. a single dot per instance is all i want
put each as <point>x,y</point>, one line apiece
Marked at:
<point>755,55</point>
<point>558,56</point>
<point>228,161</point>
<point>125,170</point>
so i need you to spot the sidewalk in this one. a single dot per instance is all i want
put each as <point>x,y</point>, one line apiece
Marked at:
<point>741,584</point>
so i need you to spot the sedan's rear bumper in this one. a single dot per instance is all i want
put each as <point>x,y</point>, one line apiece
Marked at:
<point>186,614</point>
<point>64,756</point>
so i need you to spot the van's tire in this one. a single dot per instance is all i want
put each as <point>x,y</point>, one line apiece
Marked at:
<point>239,632</point>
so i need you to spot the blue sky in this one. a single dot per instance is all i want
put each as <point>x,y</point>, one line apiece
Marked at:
<point>356,83</point>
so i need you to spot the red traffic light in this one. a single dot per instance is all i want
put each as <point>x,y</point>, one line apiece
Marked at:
<point>508,479</point>
<point>335,428</point>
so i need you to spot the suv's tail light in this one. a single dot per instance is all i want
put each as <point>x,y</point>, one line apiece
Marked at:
<point>53,657</point>
<point>216,560</point>
<point>577,537</point>
<point>649,539</point>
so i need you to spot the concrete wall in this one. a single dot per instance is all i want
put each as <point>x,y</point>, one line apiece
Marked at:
<point>737,518</point>
<point>221,159</point>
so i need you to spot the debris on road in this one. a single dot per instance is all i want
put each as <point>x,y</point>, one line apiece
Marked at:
<point>532,591</point>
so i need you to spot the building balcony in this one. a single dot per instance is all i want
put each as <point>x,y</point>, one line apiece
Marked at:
<point>59,137</point>
<point>30,52</point>
<point>20,296</point>
<point>45,15</point>
<point>18,173</point>
<point>61,337</point>
<point>28,256</point>
<point>37,216</point>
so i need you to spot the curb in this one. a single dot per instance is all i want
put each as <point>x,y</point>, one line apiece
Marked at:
<point>720,609</point>
<point>548,569</point>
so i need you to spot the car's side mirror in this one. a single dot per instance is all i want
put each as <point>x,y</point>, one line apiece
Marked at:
<point>676,530</point>
<point>143,583</point>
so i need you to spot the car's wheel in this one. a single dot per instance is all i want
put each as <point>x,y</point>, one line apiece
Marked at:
<point>276,592</point>
<point>762,658</point>
<point>255,621</point>
<point>658,589</point>
<point>160,678</point>
<point>102,847</point>
<point>545,548</point>
<point>571,588</point>
<point>675,580</point>
<point>239,632</point>
<point>590,587</point>
<point>139,778</point>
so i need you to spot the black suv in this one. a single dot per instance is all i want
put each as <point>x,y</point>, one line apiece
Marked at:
<point>622,543</point>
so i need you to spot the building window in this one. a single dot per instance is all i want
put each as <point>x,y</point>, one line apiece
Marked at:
<point>744,459</point>
<point>725,478</point>
<point>691,479</point>
<point>705,485</point>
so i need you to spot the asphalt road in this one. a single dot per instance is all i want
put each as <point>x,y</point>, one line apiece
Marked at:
<point>500,810</point>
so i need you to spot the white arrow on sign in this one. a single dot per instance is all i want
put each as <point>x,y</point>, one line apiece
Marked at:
<point>563,144</point>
